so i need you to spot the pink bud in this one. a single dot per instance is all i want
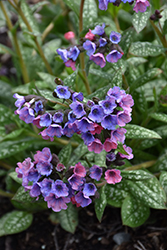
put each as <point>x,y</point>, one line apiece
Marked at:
<point>69,35</point>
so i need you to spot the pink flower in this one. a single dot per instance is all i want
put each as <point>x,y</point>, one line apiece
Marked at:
<point>141,5</point>
<point>109,144</point>
<point>99,59</point>
<point>79,170</point>
<point>113,176</point>
<point>95,146</point>
<point>69,35</point>
<point>97,129</point>
<point>129,151</point>
<point>70,63</point>
<point>90,35</point>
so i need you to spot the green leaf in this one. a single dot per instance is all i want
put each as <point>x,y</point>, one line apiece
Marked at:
<point>137,132</point>
<point>49,79</point>
<point>117,79</point>
<point>7,116</point>
<point>15,222</point>
<point>74,5</point>
<point>146,77</point>
<point>126,40</point>
<point>115,194</point>
<point>78,153</point>
<point>100,203</point>
<point>163,181</point>
<point>100,159</point>
<point>89,13</point>
<point>14,134</point>
<point>68,218</point>
<point>24,89</point>
<point>64,154</point>
<point>146,49</point>
<point>148,143</point>
<point>148,192</point>
<point>100,93</point>
<point>136,175</point>
<point>101,74</point>
<point>133,212</point>
<point>13,175</point>
<point>70,80</point>
<point>5,50</point>
<point>159,117</point>
<point>48,95</point>
<point>161,163</point>
<point>9,148</point>
<point>136,61</point>
<point>140,19</point>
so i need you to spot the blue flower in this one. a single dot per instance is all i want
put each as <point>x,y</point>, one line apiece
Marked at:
<point>108,105</point>
<point>99,30</point>
<point>78,109</point>
<point>95,172</point>
<point>58,117</point>
<point>109,122</point>
<point>63,54</point>
<point>113,56</point>
<point>115,37</point>
<point>60,189</point>
<point>87,137</point>
<point>57,203</point>
<point>73,53</point>
<point>96,113</point>
<point>89,190</point>
<point>76,181</point>
<point>102,42</point>
<point>38,106</point>
<point>35,190</point>
<point>89,47</point>
<point>45,120</point>
<point>54,130</point>
<point>103,4</point>
<point>77,96</point>
<point>20,100</point>
<point>26,114</point>
<point>99,59</point>
<point>85,125</point>
<point>62,92</point>
<point>83,201</point>
<point>46,186</point>
<point>44,168</point>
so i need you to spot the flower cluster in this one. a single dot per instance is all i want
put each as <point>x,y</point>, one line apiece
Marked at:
<point>96,44</point>
<point>99,122</point>
<point>48,177</point>
<point>140,5</point>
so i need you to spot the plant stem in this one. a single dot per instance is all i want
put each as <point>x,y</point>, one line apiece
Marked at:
<point>16,44</point>
<point>5,194</point>
<point>161,37</point>
<point>82,59</point>
<point>5,165</point>
<point>19,10</point>
<point>146,164</point>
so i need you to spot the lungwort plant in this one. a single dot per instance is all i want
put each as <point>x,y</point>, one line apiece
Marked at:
<point>89,82</point>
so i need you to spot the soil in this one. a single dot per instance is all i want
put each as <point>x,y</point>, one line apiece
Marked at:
<point>90,234</point>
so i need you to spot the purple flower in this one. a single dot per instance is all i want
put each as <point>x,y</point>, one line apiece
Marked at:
<point>59,188</point>
<point>83,201</point>
<point>79,170</point>
<point>103,4</point>
<point>69,131</point>
<point>129,151</point>
<point>109,144</point>
<point>113,176</point>
<point>95,172</point>
<point>26,114</point>
<point>35,190</point>
<point>126,102</point>
<point>118,135</point>
<point>85,125</point>
<point>20,100</point>
<point>60,167</point>
<point>45,120</point>
<point>24,167</point>
<point>99,30</point>
<point>73,53</point>
<point>45,136</point>
<point>95,146</point>
<point>116,92</point>
<point>87,137</point>
<point>44,168</point>
<point>115,37</point>
<point>71,117</point>
<point>76,181</point>
<point>99,59</point>
<point>46,186</point>
<point>109,122</point>
<point>78,109</point>
<point>38,106</point>
<point>90,103</point>
<point>89,190</point>
<point>90,47</point>
<point>63,54</point>
<point>57,204</point>
<point>96,113</point>
<point>123,117</point>
<point>141,5</point>
<point>108,104</point>
<point>62,92</point>
<point>54,130</point>
<point>58,117</point>
<point>44,155</point>
<point>77,96</point>
<point>102,42</point>
<point>33,175</point>
<point>113,56</point>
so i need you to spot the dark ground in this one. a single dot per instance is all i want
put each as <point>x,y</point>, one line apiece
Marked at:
<point>90,234</point>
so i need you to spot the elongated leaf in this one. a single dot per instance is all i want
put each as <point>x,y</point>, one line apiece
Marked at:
<point>9,148</point>
<point>14,134</point>
<point>140,19</point>
<point>70,80</point>
<point>159,117</point>
<point>100,203</point>
<point>101,93</point>
<point>148,192</point>
<point>6,50</point>
<point>101,73</point>
<point>161,163</point>
<point>89,13</point>
<point>136,175</point>
<point>126,40</point>
<point>74,5</point>
<point>15,222</point>
<point>117,79</point>
<point>6,115</point>
<point>49,79</point>
<point>133,212</point>
<point>68,218</point>
<point>115,194</point>
<point>146,49</point>
<point>78,153</point>
<point>100,159</point>
<point>163,181</point>
<point>146,77</point>
<point>13,175</point>
<point>137,132</point>
<point>64,154</point>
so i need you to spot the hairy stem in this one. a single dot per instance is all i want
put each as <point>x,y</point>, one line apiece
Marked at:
<point>146,164</point>
<point>5,194</point>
